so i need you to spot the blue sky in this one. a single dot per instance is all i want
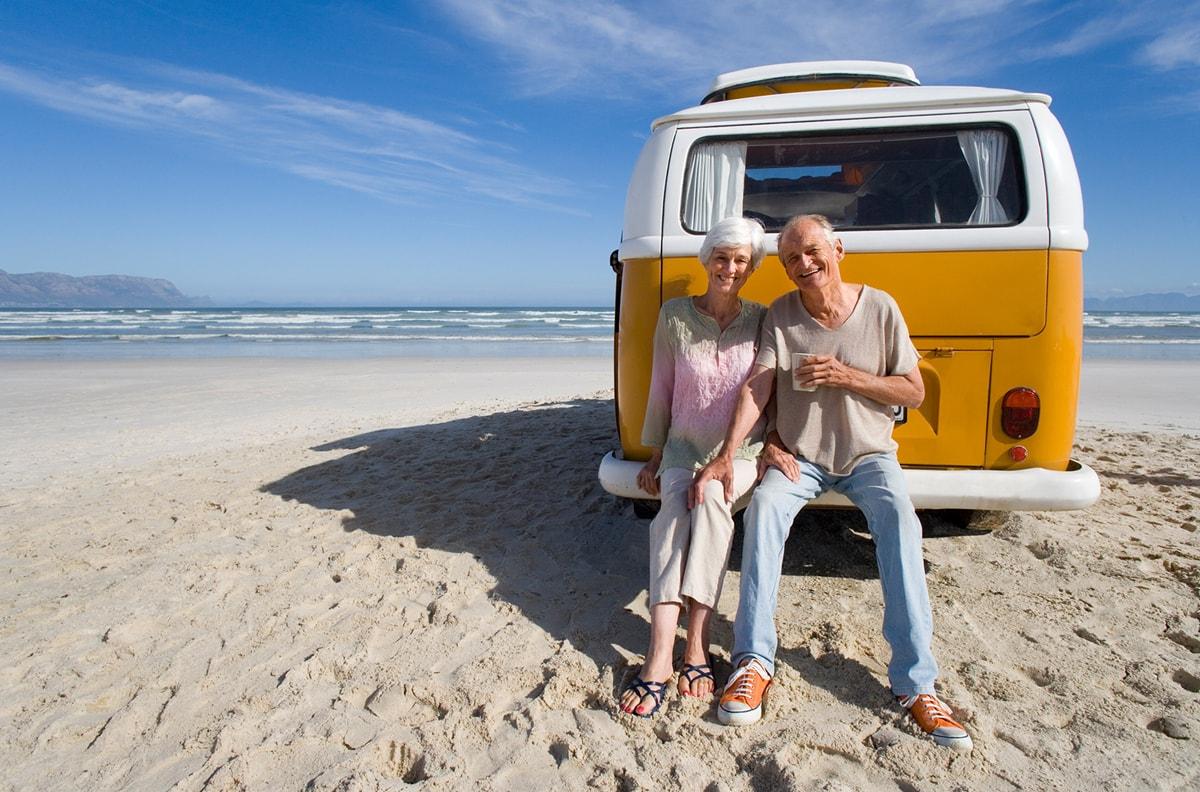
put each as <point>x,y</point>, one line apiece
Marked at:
<point>477,152</point>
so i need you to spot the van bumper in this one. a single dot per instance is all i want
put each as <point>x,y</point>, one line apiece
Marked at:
<point>1031,489</point>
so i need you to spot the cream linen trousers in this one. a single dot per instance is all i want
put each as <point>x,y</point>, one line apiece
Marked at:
<point>689,550</point>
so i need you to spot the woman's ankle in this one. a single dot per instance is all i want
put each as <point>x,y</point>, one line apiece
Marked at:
<point>695,655</point>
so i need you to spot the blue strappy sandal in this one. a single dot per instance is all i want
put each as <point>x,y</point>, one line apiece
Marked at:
<point>643,688</point>
<point>692,673</point>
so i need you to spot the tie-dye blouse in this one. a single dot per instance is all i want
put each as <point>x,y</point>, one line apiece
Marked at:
<point>698,371</point>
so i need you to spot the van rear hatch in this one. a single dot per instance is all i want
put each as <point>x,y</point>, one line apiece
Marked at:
<point>959,304</point>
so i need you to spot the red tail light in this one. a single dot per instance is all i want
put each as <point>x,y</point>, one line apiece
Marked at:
<point>1019,410</point>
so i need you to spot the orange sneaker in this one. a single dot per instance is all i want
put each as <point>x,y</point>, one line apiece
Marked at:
<point>935,719</point>
<point>742,701</point>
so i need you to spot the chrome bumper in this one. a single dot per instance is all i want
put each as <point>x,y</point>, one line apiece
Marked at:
<point>1031,489</point>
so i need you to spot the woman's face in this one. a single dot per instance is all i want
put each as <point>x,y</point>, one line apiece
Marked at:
<point>728,268</point>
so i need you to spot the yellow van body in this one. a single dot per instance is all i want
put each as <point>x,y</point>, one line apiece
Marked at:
<point>993,300</point>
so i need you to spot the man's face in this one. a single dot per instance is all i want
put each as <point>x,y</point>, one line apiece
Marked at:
<point>809,259</point>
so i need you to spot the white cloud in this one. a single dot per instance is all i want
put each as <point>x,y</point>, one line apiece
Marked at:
<point>1176,48</point>
<point>106,100</point>
<point>557,45</point>
<point>613,47</point>
<point>144,104</point>
<point>1085,37</point>
<point>375,150</point>
<point>1163,35</point>
<point>605,46</point>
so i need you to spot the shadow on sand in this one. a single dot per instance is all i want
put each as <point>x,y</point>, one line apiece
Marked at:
<point>517,490</point>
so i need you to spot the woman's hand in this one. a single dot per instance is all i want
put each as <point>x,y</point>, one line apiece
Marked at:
<point>647,477</point>
<point>720,469</point>
<point>776,455</point>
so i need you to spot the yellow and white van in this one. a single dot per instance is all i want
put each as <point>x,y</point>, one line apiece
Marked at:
<point>962,203</point>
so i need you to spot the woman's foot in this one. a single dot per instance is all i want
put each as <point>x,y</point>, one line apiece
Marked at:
<point>657,669</point>
<point>696,680</point>
<point>696,676</point>
<point>643,695</point>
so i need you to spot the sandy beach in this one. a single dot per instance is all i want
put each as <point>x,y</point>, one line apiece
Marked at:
<point>402,574</point>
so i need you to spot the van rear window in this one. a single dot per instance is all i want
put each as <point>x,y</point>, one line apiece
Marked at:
<point>968,176</point>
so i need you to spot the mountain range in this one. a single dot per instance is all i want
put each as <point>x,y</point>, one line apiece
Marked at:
<point>1165,301</point>
<point>54,290</point>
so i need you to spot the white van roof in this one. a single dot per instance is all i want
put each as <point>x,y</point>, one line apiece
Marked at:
<point>915,98</point>
<point>812,71</point>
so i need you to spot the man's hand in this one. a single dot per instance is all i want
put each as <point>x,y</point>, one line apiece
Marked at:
<point>720,469</point>
<point>907,390</point>
<point>825,370</point>
<point>647,477</point>
<point>776,455</point>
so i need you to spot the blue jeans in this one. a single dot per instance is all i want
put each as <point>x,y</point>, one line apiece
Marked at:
<point>877,487</point>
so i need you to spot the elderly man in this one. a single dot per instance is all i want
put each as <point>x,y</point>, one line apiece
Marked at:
<point>836,356</point>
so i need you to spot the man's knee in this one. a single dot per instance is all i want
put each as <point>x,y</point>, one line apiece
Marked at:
<point>891,511</point>
<point>763,499</point>
<point>768,510</point>
<point>889,503</point>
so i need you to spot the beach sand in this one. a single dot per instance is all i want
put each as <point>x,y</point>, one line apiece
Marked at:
<point>399,574</point>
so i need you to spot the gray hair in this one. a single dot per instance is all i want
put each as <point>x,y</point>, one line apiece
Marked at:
<point>820,220</point>
<point>735,232</point>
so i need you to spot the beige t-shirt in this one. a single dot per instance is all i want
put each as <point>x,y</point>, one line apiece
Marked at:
<point>833,427</point>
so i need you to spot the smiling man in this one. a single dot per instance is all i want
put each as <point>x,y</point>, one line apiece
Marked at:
<point>836,356</point>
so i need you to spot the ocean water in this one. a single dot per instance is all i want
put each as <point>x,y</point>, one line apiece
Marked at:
<point>1143,335</point>
<point>304,332</point>
<point>434,332</point>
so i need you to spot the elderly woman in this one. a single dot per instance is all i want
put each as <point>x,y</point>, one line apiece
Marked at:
<point>704,348</point>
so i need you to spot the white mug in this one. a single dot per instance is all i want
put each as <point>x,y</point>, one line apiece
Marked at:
<point>800,359</point>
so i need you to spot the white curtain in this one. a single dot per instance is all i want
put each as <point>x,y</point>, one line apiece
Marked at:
<point>714,187</point>
<point>985,150</point>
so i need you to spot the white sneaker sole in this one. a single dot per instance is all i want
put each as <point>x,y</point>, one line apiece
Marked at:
<point>744,718</point>
<point>954,743</point>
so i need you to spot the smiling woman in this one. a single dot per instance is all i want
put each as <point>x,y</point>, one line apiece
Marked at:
<point>704,347</point>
